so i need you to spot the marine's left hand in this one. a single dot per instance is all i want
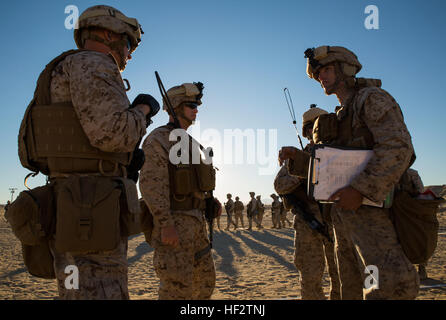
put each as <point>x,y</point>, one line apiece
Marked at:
<point>347,198</point>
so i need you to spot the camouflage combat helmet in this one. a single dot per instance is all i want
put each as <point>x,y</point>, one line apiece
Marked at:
<point>252,193</point>
<point>237,198</point>
<point>229,195</point>
<point>185,93</point>
<point>273,195</point>
<point>258,197</point>
<point>310,116</point>
<point>111,19</point>
<point>321,56</point>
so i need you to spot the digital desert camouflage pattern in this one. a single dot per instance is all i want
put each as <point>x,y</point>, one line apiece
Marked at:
<point>392,148</point>
<point>238,213</point>
<point>229,207</point>
<point>369,229</point>
<point>276,208</point>
<point>93,83</point>
<point>415,179</point>
<point>183,275</point>
<point>311,248</point>
<point>102,275</point>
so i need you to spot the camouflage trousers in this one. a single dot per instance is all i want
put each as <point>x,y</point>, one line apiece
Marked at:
<point>260,217</point>
<point>238,216</point>
<point>102,275</point>
<point>251,217</point>
<point>186,272</point>
<point>275,217</point>
<point>312,252</point>
<point>230,221</point>
<point>216,219</point>
<point>364,238</point>
<point>284,218</point>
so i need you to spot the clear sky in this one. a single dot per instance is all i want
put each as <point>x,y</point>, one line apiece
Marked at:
<point>245,52</point>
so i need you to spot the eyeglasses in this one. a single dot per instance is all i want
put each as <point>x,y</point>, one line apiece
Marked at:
<point>191,105</point>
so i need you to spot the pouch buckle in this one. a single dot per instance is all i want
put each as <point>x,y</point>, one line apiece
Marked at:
<point>84,228</point>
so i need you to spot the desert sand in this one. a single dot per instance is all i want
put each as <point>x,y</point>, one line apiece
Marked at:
<point>250,265</point>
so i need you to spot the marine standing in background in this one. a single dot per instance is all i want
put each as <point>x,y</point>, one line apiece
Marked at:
<point>276,208</point>
<point>238,212</point>
<point>261,210</point>
<point>251,210</point>
<point>229,207</point>
<point>368,118</point>
<point>175,193</point>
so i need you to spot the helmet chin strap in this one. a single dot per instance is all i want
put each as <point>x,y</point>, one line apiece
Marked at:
<point>116,46</point>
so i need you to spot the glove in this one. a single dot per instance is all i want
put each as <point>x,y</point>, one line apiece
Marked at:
<point>136,164</point>
<point>151,102</point>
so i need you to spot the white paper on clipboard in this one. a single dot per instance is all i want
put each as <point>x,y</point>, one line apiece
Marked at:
<point>335,168</point>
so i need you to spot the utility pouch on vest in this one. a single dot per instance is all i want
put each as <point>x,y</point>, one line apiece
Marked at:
<point>416,225</point>
<point>32,219</point>
<point>325,128</point>
<point>88,212</point>
<point>206,176</point>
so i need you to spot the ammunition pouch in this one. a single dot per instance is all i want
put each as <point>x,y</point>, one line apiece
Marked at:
<point>88,214</point>
<point>416,225</point>
<point>189,184</point>
<point>32,220</point>
<point>325,128</point>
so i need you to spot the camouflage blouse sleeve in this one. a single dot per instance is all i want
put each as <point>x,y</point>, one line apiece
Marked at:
<point>392,149</point>
<point>101,103</point>
<point>154,177</point>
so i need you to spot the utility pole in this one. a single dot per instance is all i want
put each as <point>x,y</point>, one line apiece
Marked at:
<point>12,190</point>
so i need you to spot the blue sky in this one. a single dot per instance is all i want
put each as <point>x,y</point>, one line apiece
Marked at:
<point>245,52</point>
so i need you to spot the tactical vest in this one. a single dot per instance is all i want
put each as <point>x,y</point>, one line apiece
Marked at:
<point>238,206</point>
<point>51,138</point>
<point>190,183</point>
<point>336,129</point>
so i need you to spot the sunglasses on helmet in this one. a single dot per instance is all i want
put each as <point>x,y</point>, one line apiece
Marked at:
<point>191,105</point>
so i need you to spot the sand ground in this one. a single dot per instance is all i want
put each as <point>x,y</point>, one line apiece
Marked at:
<point>255,264</point>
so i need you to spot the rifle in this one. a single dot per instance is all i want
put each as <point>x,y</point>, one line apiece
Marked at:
<point>289,102</point>
<point>211,205</point>
<point>299,208</point>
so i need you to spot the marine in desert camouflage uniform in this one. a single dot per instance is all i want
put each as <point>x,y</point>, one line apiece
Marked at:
<point>251,211</point>
<point>312,249</point>
<point>229,206</point>
<point>276,208</point>
<point>238,212</point>
<point>368,118</point>
<point>91,80</point>
<point>182,259</point>
<point>261,210</point>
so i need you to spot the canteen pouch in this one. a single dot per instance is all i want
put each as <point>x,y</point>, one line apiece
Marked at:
<point>32,220</point>
<point>31,215</point>
<point>416,225</point>
<point>88,212</point>
<point>325,128</point>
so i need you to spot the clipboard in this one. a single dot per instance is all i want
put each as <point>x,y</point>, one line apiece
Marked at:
<point>332,168</point>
